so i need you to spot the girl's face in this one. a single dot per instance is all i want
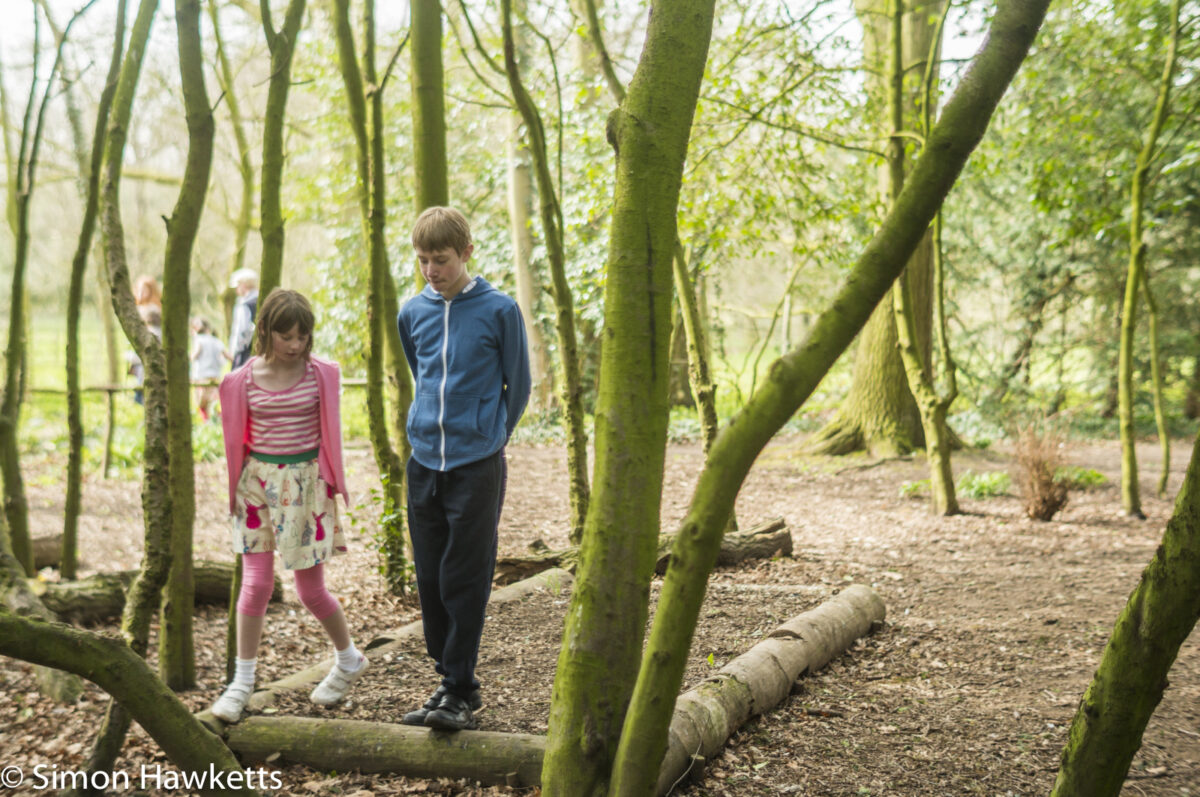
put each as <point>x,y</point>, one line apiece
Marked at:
<point>289,346</point>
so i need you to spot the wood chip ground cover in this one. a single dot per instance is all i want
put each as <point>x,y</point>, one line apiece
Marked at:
<point>995,624</point>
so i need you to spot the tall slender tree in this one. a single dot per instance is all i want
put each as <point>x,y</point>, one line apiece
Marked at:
<point>570,379</point>
<point>1131,500</point>
<point>176,653</point>
<point>282,44</point>
<point>428,106</point>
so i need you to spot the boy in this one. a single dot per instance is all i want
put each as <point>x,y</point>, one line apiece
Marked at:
<point>465,344</point>
<point>241,335</point>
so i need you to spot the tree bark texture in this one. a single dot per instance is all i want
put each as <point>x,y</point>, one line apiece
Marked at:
<point>762,678</point>
<point>569,378</point>
<point>1129,682</point>
<point>879,413</point>
<point>793,377</point>
<point>114,667</point>
<point>176,649</point>
<point>492,759</point>
<point>606,618</point>
<point>428,106</point>
<point>282,44</point>
<point>102,596</point>
<point>1131,500</point>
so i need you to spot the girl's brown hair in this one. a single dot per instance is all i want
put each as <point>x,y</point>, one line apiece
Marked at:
<point>282,310</point>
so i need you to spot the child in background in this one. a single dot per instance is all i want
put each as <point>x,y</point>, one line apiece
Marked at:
<point>283,445</point>
<point>207,364</point>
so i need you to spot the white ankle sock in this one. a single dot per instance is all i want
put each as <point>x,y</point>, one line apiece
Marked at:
<point>349,659</point>
<point>243,671</point>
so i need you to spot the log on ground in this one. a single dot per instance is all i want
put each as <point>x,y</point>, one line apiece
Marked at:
<point>762,678</point>
<point>761,542</point>
<point>102,596</point>
<point>47,551</point>
<point>494,759</point>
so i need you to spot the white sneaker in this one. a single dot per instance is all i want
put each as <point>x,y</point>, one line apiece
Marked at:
<point>232,701</point>
<point>335,685</point>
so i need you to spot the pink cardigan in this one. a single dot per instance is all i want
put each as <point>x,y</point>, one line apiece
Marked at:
<point>235,422</point>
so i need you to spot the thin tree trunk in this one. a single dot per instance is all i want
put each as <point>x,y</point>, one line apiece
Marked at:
<point>367,124</point>
<point>1131,500</point>
<point>428,106</point>
<point>143,597</point>
<point>932,405</point>
<point>879,413</point>
<point>176,649</point>
<point>226,80</point>
<point>282,45</point>
<point>606,618</point>
<point>793,378</point>
<point>1160,413</point>
<point>89,178</point>
<point>1132,675</point>
<point>520,191</point>
<point>570,378</point>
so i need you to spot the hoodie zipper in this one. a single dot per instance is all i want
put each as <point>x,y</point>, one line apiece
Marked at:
<point>445,376</point>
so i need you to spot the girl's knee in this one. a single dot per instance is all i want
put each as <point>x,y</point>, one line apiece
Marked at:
<point>310,588</point>
<point>258,582</point>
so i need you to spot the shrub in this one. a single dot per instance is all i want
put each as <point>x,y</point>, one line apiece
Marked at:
<point>1038,460</point>
<point>984,485</point>
<point>1079,478</point>
<point>915,489</point>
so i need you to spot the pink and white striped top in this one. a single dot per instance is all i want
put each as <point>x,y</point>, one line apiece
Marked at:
<point>285,421</point>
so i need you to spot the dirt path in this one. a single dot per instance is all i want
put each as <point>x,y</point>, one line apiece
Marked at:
<point>995,623</point>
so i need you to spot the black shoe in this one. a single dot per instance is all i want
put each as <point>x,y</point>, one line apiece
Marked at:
<point>452,714</point>
<point>418,717</point>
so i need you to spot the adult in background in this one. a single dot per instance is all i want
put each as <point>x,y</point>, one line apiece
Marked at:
<point>241,333</point>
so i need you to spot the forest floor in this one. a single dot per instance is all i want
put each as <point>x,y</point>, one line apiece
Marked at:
<point>995,624</point>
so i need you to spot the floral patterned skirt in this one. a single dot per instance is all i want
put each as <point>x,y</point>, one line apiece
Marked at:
<point>287,508</point>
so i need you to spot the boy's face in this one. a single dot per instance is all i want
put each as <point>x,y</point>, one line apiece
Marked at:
<point>445,269</point>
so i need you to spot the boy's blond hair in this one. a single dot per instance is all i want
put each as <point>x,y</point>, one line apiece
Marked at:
<point>440,228</point>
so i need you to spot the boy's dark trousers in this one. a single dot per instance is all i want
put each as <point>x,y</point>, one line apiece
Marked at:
<point>452,518</point>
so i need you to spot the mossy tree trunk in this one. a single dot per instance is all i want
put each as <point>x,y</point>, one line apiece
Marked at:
<point>176,649</point>
<point>110,664</point>
<point>282,44</point>
<point>606,619</point>
<point>429,106</point>
<point>879,413</point>
<point>570,380</point>
<point>793,377</point>
<point>1132,676</point>
<point>1131,501</point>
<point>144,595</point>
<point>365,99</point>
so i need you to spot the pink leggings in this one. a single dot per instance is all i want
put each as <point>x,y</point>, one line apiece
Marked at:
<point>258,579</point>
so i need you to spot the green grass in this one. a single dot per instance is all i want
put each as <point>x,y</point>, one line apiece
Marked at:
<point>983,485</point>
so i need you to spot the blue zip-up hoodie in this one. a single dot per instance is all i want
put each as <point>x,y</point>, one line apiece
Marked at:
<point>471,365</point>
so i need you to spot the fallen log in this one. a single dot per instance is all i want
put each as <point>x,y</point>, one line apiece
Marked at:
<point>762,678</point>
<point>493,759</point>
<point>102,596</point>
<point>761,542</point>
<point>704,719</point>
<point>47,551</point>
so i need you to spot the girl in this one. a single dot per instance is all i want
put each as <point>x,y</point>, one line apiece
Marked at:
<point>283,444</point>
